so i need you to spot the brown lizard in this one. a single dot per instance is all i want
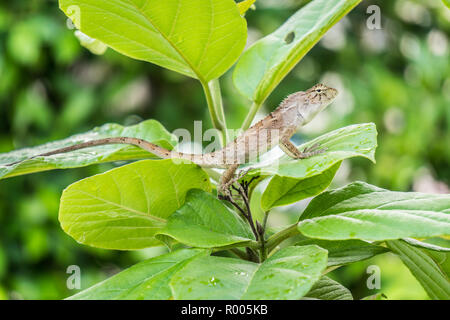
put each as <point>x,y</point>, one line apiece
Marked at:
<point>275,129</point>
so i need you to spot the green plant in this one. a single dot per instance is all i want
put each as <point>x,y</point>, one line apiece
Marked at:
<point>150,202</point>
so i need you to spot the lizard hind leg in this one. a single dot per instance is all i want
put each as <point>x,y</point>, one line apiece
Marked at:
<point>227,179</point>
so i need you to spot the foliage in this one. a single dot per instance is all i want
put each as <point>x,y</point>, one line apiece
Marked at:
<point>428,266</point>
<point>151,202</point>
<point>149,130</point>
<point>125,207</point>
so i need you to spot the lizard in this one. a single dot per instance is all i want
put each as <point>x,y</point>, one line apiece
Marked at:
<point>295,111</point>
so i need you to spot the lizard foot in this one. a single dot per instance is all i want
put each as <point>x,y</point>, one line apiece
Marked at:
<point>312,151</point>
<point>241,174</point>
<point>225,189</point>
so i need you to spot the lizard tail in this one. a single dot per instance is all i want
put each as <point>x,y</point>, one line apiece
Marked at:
<point>202,160</point>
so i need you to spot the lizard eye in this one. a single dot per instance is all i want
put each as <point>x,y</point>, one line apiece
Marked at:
<point>318,90</point>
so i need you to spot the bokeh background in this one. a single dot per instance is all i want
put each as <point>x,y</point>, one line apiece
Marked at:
<point>51,87</point>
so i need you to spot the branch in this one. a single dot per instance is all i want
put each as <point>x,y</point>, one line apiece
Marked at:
<point>215,107</point>
<point>250,116</point>
<point>279,237</point>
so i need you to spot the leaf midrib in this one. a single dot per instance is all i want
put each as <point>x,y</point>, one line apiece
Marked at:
<point>199,76</point>
<point>148,216</point>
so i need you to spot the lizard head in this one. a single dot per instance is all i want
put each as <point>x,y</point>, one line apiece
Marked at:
<point>316,99</point>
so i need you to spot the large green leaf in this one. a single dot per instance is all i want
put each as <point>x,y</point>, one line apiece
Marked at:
<point>346,251</point>
<point>426,270</point>
<point>363,211</point>
<point>328,289</point>
<point>147,280</point>
<point>125,207</point>
<point>268,61</point>
<point>150,130</point>
<point>442,259</point>
<point>288,274</point>
<point>440,255</point>
<point>359,140</point>
<point>204,221</point>
<point>282,191</point>
<point>198,38</point>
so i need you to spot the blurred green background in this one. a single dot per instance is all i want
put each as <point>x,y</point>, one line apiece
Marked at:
<point>51,87</point>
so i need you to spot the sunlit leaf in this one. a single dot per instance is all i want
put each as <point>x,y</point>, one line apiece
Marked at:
<point>426,270</point>
<point>288,274</point>
<point>343,252</point>
<point>204,221</point>
<point>262,67</point>
<point>147,280</point>
<point>200,39</point>
<point>125,207</point>
<point>358,140</point>
<point>363,211</point>
<point>285,190</point>
<point>328,289</point>
<point>150,130</point>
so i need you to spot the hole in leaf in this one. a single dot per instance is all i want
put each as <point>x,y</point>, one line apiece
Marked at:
<point>289,37</point>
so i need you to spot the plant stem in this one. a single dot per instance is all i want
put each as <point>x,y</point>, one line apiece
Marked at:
<point>262,249</point>
<point>215,107</point>
<point>249,214</point>
<point>279,237</point>
<point>239,253</point>
<point>214,85</point>
<point>262,239</point>
<point>250,116</point>
<point>266,216</point>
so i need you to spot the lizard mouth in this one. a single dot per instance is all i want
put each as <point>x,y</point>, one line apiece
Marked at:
<point>331,93</point>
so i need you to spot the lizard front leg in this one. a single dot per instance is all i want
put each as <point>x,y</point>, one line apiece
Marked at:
<point>291,150</point>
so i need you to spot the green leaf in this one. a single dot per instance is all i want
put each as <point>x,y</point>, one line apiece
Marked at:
<point>328,289</point>
<point>282,191</point>
<point>262,67</point>
<point>447,3</point>
<point>358,140</point>
<point>346,251</point>
<point>204,221</point>
<point>150,130</point>
<point>288,274</point>
<point>424,268</point>
<point>201,39</point>
<point>125,207</point>
<point>442,259</point>
<point>363,211</point>
<point>245,5</point>
<point>147,280</point>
